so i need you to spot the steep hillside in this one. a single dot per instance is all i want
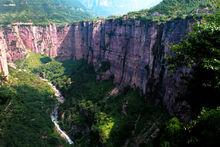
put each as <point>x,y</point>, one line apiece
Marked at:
<point>42,11</point>
<point>25,107</point>
<point>169,9</point>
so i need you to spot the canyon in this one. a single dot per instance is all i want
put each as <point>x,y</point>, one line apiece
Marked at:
<point>136,50</point>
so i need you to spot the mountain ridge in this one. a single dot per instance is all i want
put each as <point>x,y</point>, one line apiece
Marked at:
<point>169,9</point>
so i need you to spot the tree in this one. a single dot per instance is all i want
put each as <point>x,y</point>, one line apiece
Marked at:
<point>200,51</point>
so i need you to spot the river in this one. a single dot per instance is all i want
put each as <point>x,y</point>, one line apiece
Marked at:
<point>54,114</point>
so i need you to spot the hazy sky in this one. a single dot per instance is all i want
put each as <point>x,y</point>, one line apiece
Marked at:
<point>141,4</point>
<point>118,7</point>
<point>134,5</point>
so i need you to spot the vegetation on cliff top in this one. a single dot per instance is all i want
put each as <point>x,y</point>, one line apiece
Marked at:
<point>69,11</point>
<point>171,9</point>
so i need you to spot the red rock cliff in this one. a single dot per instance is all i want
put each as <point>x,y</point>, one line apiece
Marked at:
<point>136,50</point>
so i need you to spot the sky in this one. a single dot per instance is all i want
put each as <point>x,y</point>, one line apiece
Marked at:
<point>118,7</point>
<point>143,4</point>
<point>135,5</point>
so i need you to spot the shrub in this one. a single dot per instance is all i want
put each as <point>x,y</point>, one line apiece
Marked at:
<point>105,65</point>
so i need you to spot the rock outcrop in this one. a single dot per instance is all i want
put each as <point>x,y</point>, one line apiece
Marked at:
<point>3,57</point>
<point>136,50</point>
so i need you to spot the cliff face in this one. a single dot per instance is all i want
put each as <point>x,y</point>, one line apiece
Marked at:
<point>21,39</point>
<point>135,50</point>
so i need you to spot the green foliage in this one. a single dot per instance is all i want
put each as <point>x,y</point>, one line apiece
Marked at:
<point>42,11</point>
<point>98,117</point>
<point>104,115</point>
<point>173,133</point>
<point>6,95</point>
<point>89,107</point>
<point>171,9</point>
<point>205,129</point>
<point>105,65</point>
<point>32,61</point>
<point>174,126</point>
<point>202,131</point>
<point>200,51</point>
<point>103,125</point>
<point>25,106</point>
<point>201,47</point>
<point>182,7</point>
<point>48,68</point>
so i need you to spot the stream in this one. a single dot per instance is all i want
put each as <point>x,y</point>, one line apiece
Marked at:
<point>54,114</point>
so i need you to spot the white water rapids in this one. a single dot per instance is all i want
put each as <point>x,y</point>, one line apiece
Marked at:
<point>54,114</point>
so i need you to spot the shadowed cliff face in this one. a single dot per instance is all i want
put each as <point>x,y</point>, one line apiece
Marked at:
<point>135,50</point>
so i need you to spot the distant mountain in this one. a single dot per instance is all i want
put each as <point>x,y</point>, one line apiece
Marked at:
<point>117,7</point>
<point>42,11</point>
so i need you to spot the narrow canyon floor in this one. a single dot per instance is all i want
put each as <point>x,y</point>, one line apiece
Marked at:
<point>94,112</point>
